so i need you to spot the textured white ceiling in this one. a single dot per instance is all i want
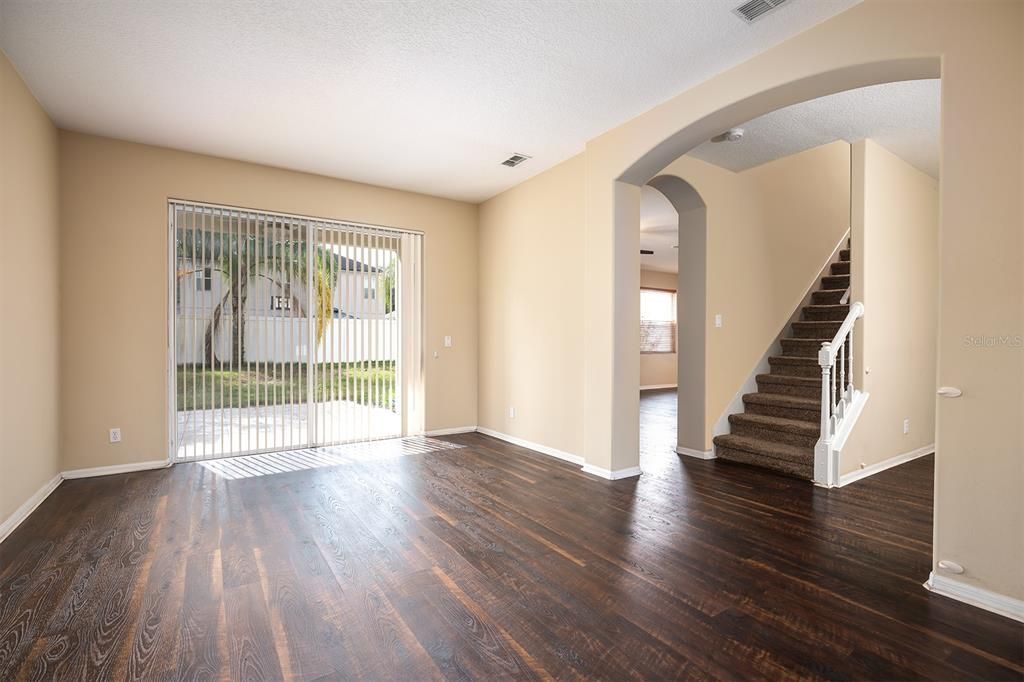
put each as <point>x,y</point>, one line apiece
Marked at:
<point>427,96</point>
<point>902,117</point>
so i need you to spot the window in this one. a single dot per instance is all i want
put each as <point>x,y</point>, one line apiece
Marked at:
<point>284,301</point>
<point>657,321</point>
<point>204,279</point>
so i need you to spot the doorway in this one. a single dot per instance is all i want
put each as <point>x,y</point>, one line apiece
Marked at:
<point>673,241</point>
<point>290,332</point>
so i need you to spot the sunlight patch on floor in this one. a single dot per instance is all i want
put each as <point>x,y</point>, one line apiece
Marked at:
<point>266,464</point>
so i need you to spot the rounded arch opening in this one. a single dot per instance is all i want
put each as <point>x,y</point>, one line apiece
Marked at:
<point>691,310</point>
<point>750,107</point>
<point>707,117</point>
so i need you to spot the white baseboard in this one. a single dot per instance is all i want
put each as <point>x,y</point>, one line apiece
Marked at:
<point>657,386</point>
<point>29,506</point>
<point>543,449</point>
<point>611,475</point>
<point>562,455</point>
<point>699,454</point>
<point>976,596</point>
<point>873,469</point>
<point>116,469</point>
<point>451,432</point>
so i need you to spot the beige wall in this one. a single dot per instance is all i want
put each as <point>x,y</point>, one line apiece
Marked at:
<point>658,369</point>
<point>895,235</point>
<point>979,511</point>
<point>29,326</point>
<point>114,282</point>
<point>978,49</point>
<point>770,230</point>
<point>531,322</point>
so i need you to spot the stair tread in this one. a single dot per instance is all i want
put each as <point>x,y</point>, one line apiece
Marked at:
<point>823,307</point>
<point>788,379</point>
<point>782,400</point>
<point>817,323</point>
<point>766,448</point>
<point>776,423</point>
<point>792,360</point>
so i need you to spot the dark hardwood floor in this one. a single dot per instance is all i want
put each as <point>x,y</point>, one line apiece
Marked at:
<point>658,431</point>
<point>487,562</point>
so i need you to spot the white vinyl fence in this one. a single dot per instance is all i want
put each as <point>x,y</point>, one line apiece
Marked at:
<point>282,339</point>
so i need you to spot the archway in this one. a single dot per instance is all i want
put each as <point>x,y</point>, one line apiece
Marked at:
<point>691,311</point>
<point>615,175</point>
<point>869,44</point>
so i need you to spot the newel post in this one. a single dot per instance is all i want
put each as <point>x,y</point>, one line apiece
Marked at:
<point>823,449</point>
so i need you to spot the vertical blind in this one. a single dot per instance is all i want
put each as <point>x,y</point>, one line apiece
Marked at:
<point>657,321</point>
<point>290,332</point>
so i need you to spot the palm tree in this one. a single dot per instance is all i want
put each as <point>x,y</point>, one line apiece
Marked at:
<point>389,287</point>
<point>242,258</point>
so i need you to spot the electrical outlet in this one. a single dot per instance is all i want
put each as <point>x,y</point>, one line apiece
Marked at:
<point>115,435</point>
<point>718,320</point>
<point>906,426</point>
<point>511,413</point>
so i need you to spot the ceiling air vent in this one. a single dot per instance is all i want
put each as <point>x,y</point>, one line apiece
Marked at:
<point>514,160</point>
<point>755,9</point>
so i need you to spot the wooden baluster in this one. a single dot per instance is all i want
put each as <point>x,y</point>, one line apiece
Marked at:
<point>850,374</point>
<point>842,372</point>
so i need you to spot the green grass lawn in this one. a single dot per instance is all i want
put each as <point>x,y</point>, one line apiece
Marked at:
<point>259,384</point>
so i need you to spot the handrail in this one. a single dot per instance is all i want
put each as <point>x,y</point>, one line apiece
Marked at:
<point>837,393</point>
<point>856,312</point>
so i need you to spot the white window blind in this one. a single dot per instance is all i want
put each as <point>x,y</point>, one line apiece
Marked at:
<point>657,321</point>
<point>299,331</point>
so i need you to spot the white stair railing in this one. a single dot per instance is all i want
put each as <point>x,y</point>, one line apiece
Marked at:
<point>837,396</point>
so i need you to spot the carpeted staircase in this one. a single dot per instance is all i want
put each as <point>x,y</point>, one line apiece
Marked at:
<point>782,421</point>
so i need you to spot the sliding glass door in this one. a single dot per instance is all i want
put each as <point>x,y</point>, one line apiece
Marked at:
<point>290,332</point>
